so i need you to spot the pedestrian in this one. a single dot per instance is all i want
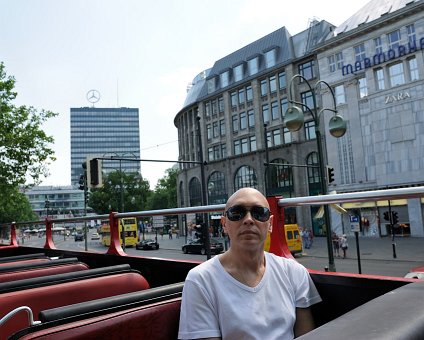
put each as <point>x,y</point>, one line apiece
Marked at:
<point>310,238</point>
<point>304,237</point>
<point>336,244</point>
<point>234,295</point>
<point>170,234</point>
<point>344,245</point>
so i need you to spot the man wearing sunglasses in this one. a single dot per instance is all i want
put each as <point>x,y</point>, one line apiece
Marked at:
<point>247,293</point>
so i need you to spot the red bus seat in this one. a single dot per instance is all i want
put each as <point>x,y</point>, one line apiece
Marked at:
<point>22,257</point>
<point>51,296</point>
<point>30,264</point>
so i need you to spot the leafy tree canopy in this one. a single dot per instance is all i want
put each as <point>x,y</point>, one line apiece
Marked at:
<point>134,194</point>
<point>24,147</point>
<point>165,194</point>
<point>14,206</point>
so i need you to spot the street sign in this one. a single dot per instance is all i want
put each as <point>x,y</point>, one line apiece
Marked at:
<point>354,223</point>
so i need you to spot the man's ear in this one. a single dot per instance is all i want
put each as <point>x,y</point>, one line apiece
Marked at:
<point>271,219</point>
<point>223,224</point>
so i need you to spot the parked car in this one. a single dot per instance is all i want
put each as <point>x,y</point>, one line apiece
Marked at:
<point>197,246</point>
<point>147,244</point>
<point>416,273</point>
<point>79,237</point>
<point>95,236</point>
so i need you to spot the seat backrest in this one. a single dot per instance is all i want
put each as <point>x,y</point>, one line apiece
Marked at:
<point>67,293</point>
<point>35,263</point>
<point>62,278</point>
<point>22,257</point>
<point>43,271</point>
<point>157,321</point>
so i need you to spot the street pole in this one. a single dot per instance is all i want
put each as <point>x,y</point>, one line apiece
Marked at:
<point>122,206</point>
<point>205,225</point>
<point>392,229</point>
<point>294,119</point>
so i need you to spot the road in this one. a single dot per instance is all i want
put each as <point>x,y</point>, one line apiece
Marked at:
<point>387,267</point>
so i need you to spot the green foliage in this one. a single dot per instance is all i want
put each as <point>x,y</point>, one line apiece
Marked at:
<point>14,206</point>
<point>24,146</point>
<point>135,193</point>
<point>165,194</point>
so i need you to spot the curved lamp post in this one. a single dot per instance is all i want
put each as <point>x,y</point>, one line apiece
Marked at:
<point>294,119</point>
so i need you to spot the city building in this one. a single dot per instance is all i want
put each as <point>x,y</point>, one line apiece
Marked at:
<point>54,201</point>
<point>233,117</point>
<point>104,132</point>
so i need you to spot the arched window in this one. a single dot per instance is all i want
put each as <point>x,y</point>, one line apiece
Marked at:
<point>279,178</point>
<point>181,192</point>
<point>217,192</point>
<point>195,192</point>
<point>245,177</point>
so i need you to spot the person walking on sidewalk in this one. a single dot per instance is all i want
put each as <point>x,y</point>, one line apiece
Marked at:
<point>336,244</point>
<point>343,244</point>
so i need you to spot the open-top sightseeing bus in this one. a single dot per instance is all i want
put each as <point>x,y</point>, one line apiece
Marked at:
<point>51,293</point>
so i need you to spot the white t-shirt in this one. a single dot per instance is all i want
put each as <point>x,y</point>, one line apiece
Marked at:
<point>214,304</point>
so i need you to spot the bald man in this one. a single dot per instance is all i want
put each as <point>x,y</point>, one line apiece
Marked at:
<point>247,293</point>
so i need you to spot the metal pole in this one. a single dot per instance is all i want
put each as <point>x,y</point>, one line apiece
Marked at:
<point>122,206</point>
<point>392,229</point>
<point>205,226</point>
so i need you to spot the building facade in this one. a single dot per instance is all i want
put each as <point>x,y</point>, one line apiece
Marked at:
<point>62,201</point>
<point>233,117</point>
<point>104,132</point>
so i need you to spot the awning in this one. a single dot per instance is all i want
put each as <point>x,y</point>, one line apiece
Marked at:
<point>358,205</point>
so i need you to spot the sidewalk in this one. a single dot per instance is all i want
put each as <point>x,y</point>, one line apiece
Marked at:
<point>407,248</point>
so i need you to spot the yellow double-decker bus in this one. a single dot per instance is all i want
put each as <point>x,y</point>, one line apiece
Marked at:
<point>130,230</point>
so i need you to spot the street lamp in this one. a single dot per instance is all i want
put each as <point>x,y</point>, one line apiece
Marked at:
<point>294,119</point>
<point>47,206</point>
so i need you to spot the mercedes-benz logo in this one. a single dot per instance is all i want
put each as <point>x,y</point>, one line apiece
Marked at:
<point>93,96</point>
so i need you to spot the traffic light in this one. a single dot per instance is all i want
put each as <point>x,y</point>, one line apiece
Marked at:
<point>395,218</point>
<point>386,216</point>
<point>330,174</point>
<point>81,182</point>
<point>86,197</point>
<point>199,232</point>
<point>94,173</point>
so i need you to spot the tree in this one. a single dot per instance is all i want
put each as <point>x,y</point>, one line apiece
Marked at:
<point>14,206</point>
<point>165,193</point>
<point>24,146</point>
<point>135,193</point>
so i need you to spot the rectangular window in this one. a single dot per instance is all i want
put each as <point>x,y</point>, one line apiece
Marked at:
<point>310,130</point>
<point>238,72</point>
<point>282,80</point>
<point>249,93</point>
<point>269,139</point>
<point>211,85</point>
<point>339,93</point>
<point>307,70</point>
<point>241,96</point>
<point>359,52</point>
<point>237,147</point>
<point>308,100</point>
<point>235,123</point>
<point>233,96</point>
<point>223,151</point>
<point>243,120</point>
<point>265,113</point>
<point>264,87</point>
<point>410,29</point>
<point>225,78</point>
<point>363,88</point>
<point>396,74</point>
<point>208,108</point>
<point>332,63</point>
<point>276,137</point>
<point>251,118</point>
<point>214,107</point>
<point>252,141</point>
<point>216,152</point>
<point>209,131</point>
<point>210,154</point>
<point>244,145</point>
<point>339,60</point>
<point>272,84</point>
<point>270,58</point>
<point>379,77</point>
<point>284,106</point>
<point>413,69</point>
<point>378,45</point>
<point>393,39</point>
<point>221,104</point>
<point>253,66</point>
<point>274,110</point>
<point>215,128</point>
<point>222,127</point>
<point>287,136</point>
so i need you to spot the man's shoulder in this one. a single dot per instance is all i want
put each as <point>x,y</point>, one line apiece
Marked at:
<point>203,269</point>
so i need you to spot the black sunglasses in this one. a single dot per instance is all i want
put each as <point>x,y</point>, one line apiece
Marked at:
<point>238,212</point>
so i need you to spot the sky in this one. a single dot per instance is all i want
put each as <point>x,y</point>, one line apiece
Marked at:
<point>136,53</point>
